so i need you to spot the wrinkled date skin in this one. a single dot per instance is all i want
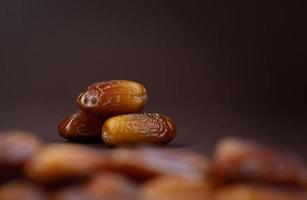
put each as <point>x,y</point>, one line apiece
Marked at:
<point>144,163</point>
<point>81,126</point>
<point>56,162</point>
<point>236,159</point>
<point>149,128</point>
<point>113,97</point>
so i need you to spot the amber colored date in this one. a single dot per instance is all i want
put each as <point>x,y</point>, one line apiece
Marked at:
<point>236,159</point>
<point>81,126</point>
<point>62,161</point>
<point>113,97</point>
<point>150,128</point>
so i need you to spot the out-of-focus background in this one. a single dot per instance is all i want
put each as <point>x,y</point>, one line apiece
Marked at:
<point>218,68</point>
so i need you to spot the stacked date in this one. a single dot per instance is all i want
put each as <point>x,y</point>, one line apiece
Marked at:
<point>239,170</point>
<point>110,110</point>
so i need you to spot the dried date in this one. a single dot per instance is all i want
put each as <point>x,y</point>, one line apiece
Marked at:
<point>145,128</point>
<point>113,97</point>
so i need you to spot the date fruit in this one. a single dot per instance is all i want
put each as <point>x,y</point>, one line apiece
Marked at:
<point>63,161</point>
<point>129,129</point>
<point>75,192</point>
<point>170,188</point>
<point>112,186</point>
<point>102,186</point>
<point>81,126</point>
<point>19,189</point>
<point>258,192</point>
<point>144,163</point>
<point>113,97</point>
<point>236,159</point>
<point>16,147</point>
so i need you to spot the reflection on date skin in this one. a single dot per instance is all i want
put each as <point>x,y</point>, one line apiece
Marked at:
<point>82,126</point>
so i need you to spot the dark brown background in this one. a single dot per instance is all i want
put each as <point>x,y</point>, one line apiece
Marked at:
<point>217,67</point>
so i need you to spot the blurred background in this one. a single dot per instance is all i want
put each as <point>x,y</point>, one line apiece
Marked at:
<point>218,68</point>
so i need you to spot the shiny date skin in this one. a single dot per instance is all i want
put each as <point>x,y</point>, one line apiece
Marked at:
<point>113,97</point>
<point>144,128</point>
<point>81,126</point>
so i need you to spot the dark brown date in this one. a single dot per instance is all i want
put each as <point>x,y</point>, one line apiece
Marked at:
<point>236,159</point>
<point>150,128</point>
<point>113,97</point>
<point>16,147</point>
<point>81,126</point>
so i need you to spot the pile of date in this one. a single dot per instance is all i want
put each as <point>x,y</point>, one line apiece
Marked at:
<point>138,167</point>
